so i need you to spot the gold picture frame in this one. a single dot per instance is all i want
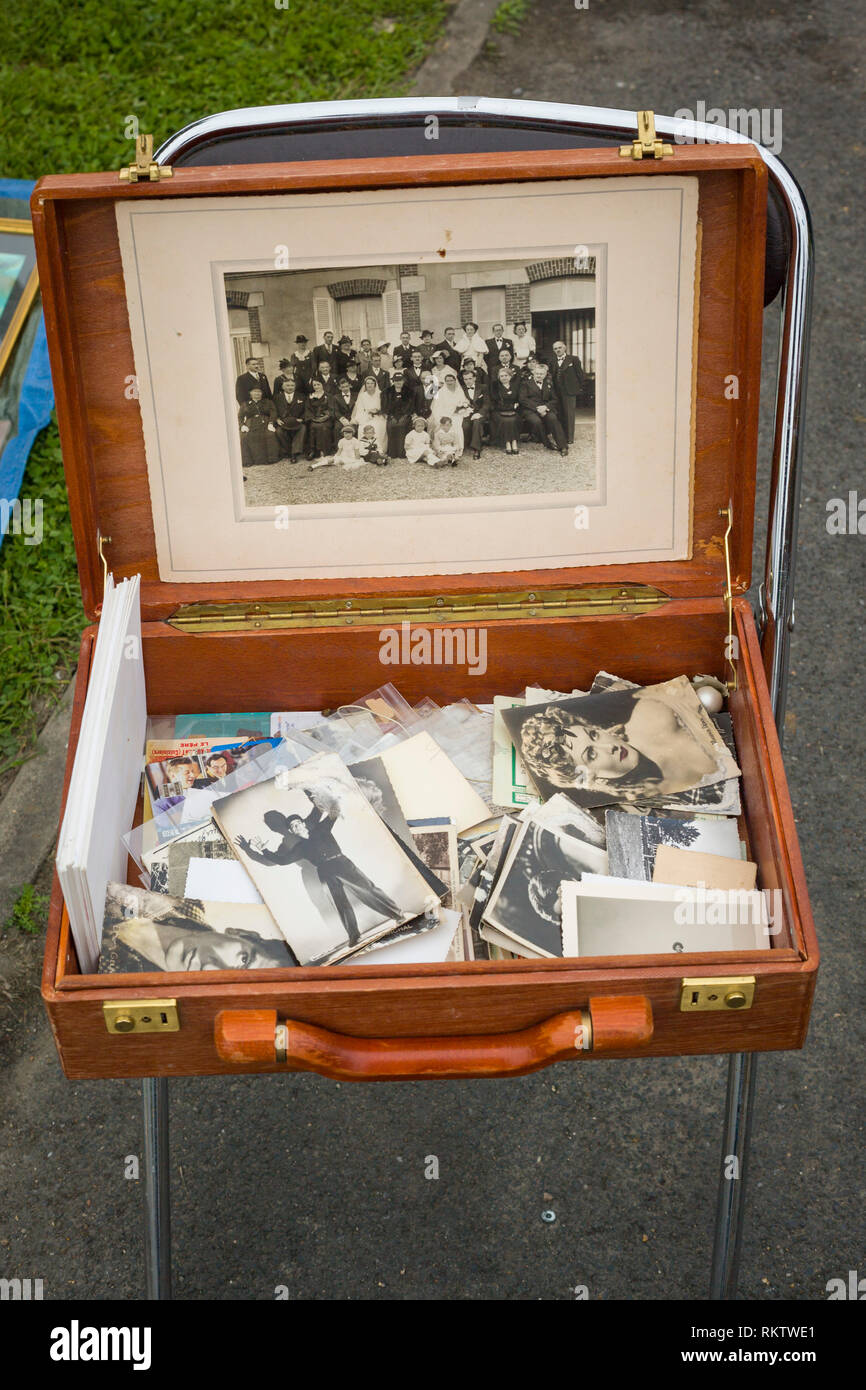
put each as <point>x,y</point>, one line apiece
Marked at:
<point>14,310</point>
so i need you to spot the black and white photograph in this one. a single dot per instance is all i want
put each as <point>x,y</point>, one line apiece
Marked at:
<point>525,903</point>
<point>717,798</point>
<point>149,931</point>
<point>435,843</point>
<point>613,917</point>
<point>634,746</point>
<point>471,378</point>
<point>484,881</point>
<point>373,780</point>
<point>200,864</point>
<point>331,872</point>
<point>632,841</point>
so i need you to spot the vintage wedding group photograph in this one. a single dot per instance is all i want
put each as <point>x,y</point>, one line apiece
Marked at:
<point>474,378</point>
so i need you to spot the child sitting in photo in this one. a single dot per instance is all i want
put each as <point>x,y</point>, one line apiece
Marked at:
<point>418,446</point>
<point>445,442</point>
<point>369,449</point>
<point>350,451</point>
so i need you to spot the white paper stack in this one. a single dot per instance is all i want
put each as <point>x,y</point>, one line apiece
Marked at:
<point>104,786</point>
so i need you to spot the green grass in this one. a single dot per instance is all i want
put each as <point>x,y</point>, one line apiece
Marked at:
<point>40,607</point>
<point>72,73</point>
<point>28,912</point>
<point>71,76</point>
<point>509,16</point>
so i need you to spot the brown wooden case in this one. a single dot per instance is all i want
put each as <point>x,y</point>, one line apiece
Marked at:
<point>479,1018</point>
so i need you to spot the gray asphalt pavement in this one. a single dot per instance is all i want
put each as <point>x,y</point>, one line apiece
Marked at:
<point>321,1187</point>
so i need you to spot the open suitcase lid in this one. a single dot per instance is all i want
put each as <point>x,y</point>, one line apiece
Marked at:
<point>89,304</point>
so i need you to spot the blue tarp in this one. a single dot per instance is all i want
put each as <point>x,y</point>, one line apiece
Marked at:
<point>36,400</point>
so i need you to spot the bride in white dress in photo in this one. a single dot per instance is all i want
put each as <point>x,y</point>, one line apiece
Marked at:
<point>450,400</point>
<point>368,411</point>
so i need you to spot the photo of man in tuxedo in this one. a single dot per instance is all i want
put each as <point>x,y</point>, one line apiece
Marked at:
<point>310,839</point>
<point>253,376</point>
<point>568,378</point>
<point>475,422</point>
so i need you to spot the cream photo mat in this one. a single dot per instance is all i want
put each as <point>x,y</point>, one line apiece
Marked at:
<point>176,253</point>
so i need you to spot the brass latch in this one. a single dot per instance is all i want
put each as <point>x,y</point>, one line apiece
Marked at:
<point>142,1016</point>
<point>647,145</point>
<point>730,992</point>
<point>144,166</point>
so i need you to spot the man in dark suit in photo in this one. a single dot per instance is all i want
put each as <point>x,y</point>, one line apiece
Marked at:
<point>479,409</point>
<point>377,371</point>
<point>343,402</point>
<point>253,376</point>
<point>325,351</point>
<point>448,346</point>
<point>327,376</point>
<point>291,429</point>
<point>538,409</point>
<point>365,353</point>
<point>311,839</point>
<point>568,377</point>
<point>415,365</point>
<point>402,355</point>
<point>494,347</point>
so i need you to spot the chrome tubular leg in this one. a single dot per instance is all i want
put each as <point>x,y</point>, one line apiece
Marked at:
<point>157,1197</point>
<point>730,1206</point>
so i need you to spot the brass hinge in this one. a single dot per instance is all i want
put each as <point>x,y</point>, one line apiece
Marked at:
<point>380,610</point>
<point>647,145</point>
<point>144,166</point>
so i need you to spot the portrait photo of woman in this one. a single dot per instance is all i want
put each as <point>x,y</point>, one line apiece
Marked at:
<point>626,745</point>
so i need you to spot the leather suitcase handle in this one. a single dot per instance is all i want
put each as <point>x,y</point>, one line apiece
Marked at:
<point>246,1036</point>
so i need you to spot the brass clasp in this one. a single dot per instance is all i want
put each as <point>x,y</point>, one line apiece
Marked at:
<point>144,166</point>
<point>647,145</point>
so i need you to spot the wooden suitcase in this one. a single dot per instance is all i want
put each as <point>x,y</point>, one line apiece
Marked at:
<point>314,644</point>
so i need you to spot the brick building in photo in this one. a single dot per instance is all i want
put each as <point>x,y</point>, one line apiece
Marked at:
<point>556,298</point>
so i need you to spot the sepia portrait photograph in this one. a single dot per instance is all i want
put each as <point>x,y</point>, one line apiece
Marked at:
<point>472,378</point>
